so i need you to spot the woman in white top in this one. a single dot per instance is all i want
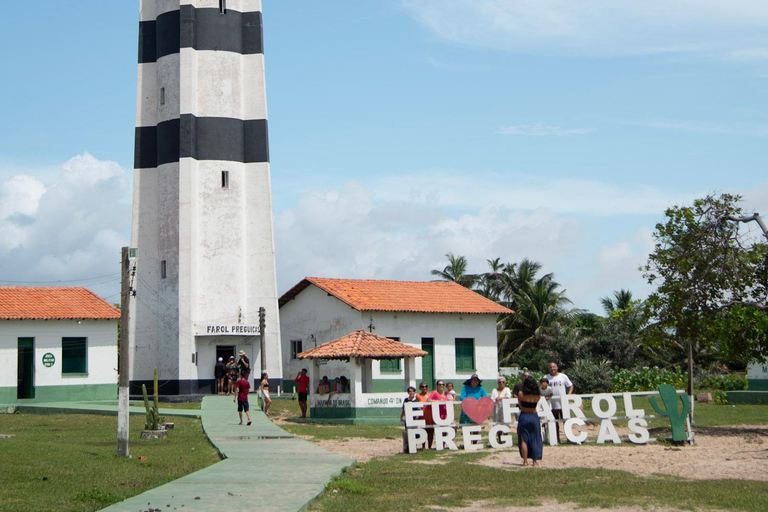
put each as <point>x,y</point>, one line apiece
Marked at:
<point>497,395</point>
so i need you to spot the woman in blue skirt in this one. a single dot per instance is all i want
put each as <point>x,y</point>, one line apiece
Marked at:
<point>528,426</point>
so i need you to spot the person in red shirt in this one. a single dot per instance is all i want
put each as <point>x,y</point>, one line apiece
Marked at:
<point>243,386</point>
<point>303,381</point>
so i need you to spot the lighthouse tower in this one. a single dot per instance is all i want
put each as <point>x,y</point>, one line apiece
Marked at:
<point>202,209</point>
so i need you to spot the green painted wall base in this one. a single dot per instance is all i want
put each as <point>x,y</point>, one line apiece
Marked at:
<point>352,416</point>
<point>748,397</point>
<point>757,384</point>
<point>76,393</point>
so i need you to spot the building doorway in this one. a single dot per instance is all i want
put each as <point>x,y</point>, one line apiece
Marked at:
<point>428,362</point>
<point>224,352</point>
<point>25,373</point>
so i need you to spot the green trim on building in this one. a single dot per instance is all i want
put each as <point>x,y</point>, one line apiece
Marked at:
<point>757,384</point>
<point>73,393</point>
<point>353,416</point>
<point>748,397</point>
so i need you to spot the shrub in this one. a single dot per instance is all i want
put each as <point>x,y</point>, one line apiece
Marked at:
<point>591,375</point>
<point>647,379</point>
<point>720,398</point>
<point>729,382</point>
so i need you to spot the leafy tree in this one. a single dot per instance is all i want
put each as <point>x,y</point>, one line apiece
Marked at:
<point>456,271</point>
<point>712,278</point>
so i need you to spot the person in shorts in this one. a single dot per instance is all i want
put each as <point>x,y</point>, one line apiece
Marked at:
<point>243,386</point>
<point>303,381</point>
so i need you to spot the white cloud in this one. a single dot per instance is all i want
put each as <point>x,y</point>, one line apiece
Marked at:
<point>462,190</point>
<point>731,30</point>
<point>751,130</point>
<point>68,229</point>
<point>351,233</point>
<point>542,130</point>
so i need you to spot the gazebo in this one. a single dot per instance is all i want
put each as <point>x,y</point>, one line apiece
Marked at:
<point>359,404</point>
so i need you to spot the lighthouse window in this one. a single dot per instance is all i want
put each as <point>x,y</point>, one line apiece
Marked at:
<point>222,6</point>
<point>224,179</point>
<point>162,95</point>
<point>162,269</point>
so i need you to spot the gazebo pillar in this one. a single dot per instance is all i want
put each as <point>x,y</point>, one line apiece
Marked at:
<point>355,380</point>
<point>410,372</point>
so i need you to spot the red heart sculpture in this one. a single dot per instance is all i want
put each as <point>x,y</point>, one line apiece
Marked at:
<point>477,410</point>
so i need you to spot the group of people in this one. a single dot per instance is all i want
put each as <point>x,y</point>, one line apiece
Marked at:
<point>528,392</point>
<point>234,377</point>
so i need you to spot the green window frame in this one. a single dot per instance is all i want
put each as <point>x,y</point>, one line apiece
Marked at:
<point>74,356</point>
<point>465,354</point>
<point>390,365</point>
<point>295,348</point>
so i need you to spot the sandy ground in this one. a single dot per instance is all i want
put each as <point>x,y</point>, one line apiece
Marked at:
<point>547,506</point>
<point>739,452</point>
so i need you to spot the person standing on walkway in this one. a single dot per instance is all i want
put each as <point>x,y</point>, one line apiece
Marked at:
<point>266,401</point>
<point>244,364</point>
<point>243,387</point>
<point>232,374</point>
<point>302,379</point>
<point>219,372</point>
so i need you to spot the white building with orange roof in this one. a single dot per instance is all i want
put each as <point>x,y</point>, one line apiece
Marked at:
<point>455,326</point>
<point>57,344</point>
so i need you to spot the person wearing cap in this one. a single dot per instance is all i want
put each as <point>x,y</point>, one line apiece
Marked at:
<point>233,372</point>
<point>471,389</point>
<point>244,364</point>
<point>497,395</point>
<point>219,372</point>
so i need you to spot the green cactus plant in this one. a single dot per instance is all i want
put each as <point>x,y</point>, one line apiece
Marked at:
<point>676,418</point>
<point>153,412</point>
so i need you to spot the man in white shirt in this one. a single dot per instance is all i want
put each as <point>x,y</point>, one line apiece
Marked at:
<point>561,385</point>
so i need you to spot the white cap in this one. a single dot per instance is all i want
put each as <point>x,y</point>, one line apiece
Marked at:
<point>221,359</point>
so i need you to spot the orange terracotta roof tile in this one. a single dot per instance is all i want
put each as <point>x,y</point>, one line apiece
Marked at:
<point>52,303</point>
<point>362,344</point>
<point>405,296</point>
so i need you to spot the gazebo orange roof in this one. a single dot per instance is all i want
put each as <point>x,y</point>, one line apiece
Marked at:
<point>362,344</point>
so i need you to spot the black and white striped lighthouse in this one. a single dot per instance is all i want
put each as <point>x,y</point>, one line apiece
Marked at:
<point>202,209</point>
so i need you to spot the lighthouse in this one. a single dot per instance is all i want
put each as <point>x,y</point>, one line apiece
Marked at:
<point>202,207</point>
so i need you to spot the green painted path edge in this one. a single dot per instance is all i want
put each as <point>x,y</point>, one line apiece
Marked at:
<point>265,468</point>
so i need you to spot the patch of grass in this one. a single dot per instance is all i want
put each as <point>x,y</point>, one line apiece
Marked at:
<point>68,463</point>
<point>402,483</point>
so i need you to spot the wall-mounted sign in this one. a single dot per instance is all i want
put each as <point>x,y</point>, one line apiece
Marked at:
<point>48,359</point>
<point>226,330</point>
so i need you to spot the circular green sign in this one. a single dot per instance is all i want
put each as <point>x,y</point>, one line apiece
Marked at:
<point>48,360</point>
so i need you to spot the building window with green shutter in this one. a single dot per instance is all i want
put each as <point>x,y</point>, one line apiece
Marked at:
<point>295,349</point>
<point>73,356</point>
<point>465,354</point>
<point>390,365</point>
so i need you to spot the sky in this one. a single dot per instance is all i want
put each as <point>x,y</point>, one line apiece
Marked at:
<point>402,130</point>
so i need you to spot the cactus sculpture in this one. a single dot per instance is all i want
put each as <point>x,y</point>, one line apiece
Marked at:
<point>153,412</point>
<point>676,419</point>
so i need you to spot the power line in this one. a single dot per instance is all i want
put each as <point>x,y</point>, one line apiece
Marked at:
<point>62,281</point>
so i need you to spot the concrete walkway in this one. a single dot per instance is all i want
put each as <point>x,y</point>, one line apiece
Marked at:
<point>265,469</point>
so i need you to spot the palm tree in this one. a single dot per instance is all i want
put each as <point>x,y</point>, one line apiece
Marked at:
<point>621,300</point>
<point>456,271</point>
<point>540,307</point>
<point>490,282</point>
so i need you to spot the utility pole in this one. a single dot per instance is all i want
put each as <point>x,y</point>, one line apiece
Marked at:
<point>122,362</point>
<point>262,328</point>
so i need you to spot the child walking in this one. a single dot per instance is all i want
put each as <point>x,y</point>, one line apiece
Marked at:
<point>243,387</point>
